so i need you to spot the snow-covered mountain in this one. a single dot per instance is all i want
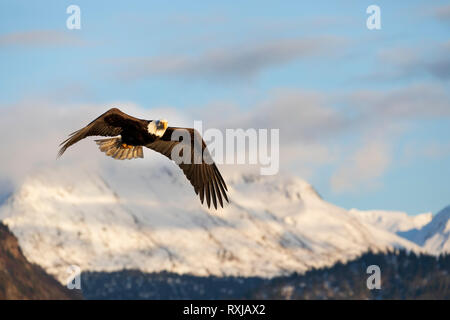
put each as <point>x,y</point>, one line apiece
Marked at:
<point>431,233</point>
<point>435,235</point>
<point>393,221</point>
<point>148,218</point>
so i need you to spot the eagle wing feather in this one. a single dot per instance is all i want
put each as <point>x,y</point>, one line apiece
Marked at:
<point>205,176</point>
<point>109,124</point>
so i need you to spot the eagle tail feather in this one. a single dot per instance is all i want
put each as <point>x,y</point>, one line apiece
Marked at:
<point>115,148</point>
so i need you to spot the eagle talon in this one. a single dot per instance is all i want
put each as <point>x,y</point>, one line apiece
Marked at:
<point>125,146</point>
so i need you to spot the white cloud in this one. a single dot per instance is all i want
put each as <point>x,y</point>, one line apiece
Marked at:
<point>32,131</point>
<point>300,115</point>
<point>39,38</point>
<point>412,62</point>
<point>237,62</point>
<point>362,167</point>
<point>442,13</point>
<point>406,103</point>
<point>426,150</point>
<point>313,133</point>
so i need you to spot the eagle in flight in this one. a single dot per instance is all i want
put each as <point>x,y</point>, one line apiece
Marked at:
<point>131,134</point>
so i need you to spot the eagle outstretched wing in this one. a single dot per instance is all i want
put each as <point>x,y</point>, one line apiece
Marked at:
<point>203,175</point>
<point>109,124</point>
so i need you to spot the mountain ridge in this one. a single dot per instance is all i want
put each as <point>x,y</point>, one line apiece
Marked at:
<point>148,218</point>
<point>433,236</point>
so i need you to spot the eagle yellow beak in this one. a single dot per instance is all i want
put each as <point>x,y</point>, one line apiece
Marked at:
<point>165,124</point>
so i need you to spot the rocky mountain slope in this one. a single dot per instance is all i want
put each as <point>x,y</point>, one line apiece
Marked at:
<point>19,279</point>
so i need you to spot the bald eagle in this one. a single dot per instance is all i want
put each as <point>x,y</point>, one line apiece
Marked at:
<point>131,134</point>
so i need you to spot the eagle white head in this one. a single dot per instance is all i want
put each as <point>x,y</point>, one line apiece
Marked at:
<point>157,127</point>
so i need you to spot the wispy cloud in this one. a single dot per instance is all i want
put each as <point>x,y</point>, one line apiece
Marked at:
<point>33,129</point>
<point>443,13</point>
<point>381,117</point>
<point>237,62</point>
<point>313,130</point>
<point>403,63</point>
<point>302,115</point>
<point>406,103</point>
<point>313,115</point>
<point>426,150</point>
<point>362,167</point>
<point>40,38</point>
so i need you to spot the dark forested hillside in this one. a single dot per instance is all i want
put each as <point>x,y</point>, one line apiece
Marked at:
<point>403,276</point>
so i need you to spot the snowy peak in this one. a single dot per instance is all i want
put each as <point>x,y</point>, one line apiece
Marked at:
<point>148,217</point>
<point>431,233</point>
<point>292,188</point>
<point>393,221</point>
<point>435,236</point>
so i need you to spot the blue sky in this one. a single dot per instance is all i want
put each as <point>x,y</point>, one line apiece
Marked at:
<point>371,107</point>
